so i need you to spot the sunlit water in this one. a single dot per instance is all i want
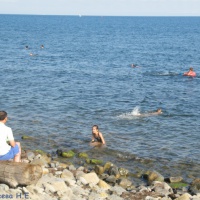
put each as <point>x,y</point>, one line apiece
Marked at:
<point>83,76</point>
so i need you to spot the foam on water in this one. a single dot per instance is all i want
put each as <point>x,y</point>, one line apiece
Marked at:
<point>130,115</point>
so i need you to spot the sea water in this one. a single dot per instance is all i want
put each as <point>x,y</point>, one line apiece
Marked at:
<point>83,76</point>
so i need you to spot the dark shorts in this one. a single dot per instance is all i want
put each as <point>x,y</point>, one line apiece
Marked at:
<point>11,154</point>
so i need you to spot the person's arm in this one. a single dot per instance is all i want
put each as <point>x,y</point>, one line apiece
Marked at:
<point>102,139</point>
<point>10,138</point>
<point>12,143</point>
<point>93,139</point>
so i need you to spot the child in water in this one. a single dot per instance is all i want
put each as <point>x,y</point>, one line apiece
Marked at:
<point>97,137</point>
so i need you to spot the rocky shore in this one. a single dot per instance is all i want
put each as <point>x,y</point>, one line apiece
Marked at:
<point>96,180</point>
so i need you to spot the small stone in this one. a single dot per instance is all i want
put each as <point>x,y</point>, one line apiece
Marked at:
<point>90,178</point>
<point>114,171</point>
<point>30,155</point>
<point>107,166</point>
<point>45,171</point>
<point>4,187</point>
<point>63,165</point>
<point>58,173</point>
<point>68,154</point>
<point>53,165</point>
<point>81,168</point>
<point>99,169</point>
<point>111,179</point>
<point>67,174</point>
<point>155,176</point>
<point>185,196</point>
<point>175,179</point>
<point>82,155</point>
<point>72,168</point>
<point>123,171</point>
<point>125,183</point>
<point>103,184</point>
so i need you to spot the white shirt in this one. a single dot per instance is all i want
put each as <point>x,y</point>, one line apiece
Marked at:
<point>6,134</point>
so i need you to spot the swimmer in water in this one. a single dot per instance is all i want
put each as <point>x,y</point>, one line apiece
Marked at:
<point>134,65</point>
<point>97,137</point>
<point>26,47</point>
<point>157,112</point>
<point>42,46</point>
<point>190,72</point>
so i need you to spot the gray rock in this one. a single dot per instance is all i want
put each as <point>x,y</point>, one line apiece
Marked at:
<point>69,182</point>
<point>124,182</point>
<point>90,178</point>
<point>77,190</point>
<point>185,196</point>
<point>175,179</point>
<point>123,171</point>
<point>114,197</point>
<point>152,198</point>
<point>111,179</point>
<point>83,181</point>
<point>30,155</point>
<point>48,188</point>
<point>4,187</point>
<point>154,176</point>
<point>117,190</point>
<point>113,171</point>
<point>53,165</point>
<point>80,168</point>
<point>71,168</point>
<point>79,174</point>
<point>41,162</point>
<point>38,156</point>
<point>162,188</point>
<point>67,174</point>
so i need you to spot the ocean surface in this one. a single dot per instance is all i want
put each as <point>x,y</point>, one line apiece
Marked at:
<point>83,76</point>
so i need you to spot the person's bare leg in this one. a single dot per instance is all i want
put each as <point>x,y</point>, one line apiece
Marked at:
<point>17,157</point>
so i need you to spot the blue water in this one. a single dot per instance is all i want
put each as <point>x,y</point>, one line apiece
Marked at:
<point>83,77</point>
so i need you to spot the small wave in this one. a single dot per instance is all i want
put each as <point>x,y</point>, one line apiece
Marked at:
<point>130,115</point>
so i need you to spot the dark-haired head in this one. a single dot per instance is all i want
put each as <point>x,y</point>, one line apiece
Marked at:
<point>191,69</point>
<point>95,126</point>
<point>3,115</point>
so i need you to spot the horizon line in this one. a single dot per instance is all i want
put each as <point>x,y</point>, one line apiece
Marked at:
<point>80,15</point>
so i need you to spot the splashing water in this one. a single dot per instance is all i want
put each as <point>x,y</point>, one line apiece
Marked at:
<point>130,115</point>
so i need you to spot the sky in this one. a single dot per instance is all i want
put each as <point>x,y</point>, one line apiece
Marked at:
<point>102,7</point>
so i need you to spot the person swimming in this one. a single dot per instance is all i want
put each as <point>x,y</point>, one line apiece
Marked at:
<point>134,65</point>
<point>157,112</point>
<point>97,136</point>
<point>190,72</point>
